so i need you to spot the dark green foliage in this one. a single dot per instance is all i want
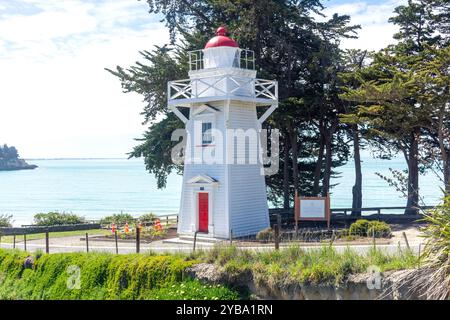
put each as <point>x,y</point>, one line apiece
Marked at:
<point>102,276</point>
<point>5,220</point>
<point>147,218</point>
<point>301,53</point>
<point>265,235</point>
<point>192,290</point>
<point>359,228</point>
<point>365,228</point>
<point>379,229</point>
<point>119,219</point>
<point>390,94</point>
<point>57,218</point>
<point>156,147</point>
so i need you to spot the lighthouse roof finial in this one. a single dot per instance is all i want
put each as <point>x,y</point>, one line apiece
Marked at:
<point>222,31</point>
<point>221,39</point>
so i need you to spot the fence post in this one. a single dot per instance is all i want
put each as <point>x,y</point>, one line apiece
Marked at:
<point>24,242</point>
<point>418,258</point>
<point>406,240</point>
<point>47,245</point>
<point>138,240</point>
<point>116,240</point>
<point>374,240</point>
<point>195,240</point>
<point>14,241</point>
<point>277,236</point>
<point>87,242</point>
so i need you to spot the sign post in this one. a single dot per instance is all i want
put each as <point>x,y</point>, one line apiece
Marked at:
<point>312,209</point>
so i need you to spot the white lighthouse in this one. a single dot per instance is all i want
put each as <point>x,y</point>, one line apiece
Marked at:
<point>224,190</point>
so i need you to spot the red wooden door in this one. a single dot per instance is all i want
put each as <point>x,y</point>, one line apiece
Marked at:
<point>203,210</point>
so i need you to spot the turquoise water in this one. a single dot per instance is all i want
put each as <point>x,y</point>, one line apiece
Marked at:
<point>95,188</point>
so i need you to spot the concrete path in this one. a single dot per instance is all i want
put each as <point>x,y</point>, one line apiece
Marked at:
<point>75,244</point>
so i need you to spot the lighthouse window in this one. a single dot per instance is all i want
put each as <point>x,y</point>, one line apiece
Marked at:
<point>206,133</point>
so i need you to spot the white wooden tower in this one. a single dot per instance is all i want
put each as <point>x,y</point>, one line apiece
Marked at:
<point>224,188</point>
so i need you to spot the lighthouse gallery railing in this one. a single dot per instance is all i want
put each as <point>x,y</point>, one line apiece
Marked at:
<point>225,86</point>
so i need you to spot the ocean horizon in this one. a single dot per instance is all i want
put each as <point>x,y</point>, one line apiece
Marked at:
<point>97,187</point>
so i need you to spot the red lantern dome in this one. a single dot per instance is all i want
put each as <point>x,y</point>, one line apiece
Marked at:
<point>221,40</point>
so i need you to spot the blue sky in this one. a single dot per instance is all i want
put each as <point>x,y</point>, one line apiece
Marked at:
<point>56,100</point>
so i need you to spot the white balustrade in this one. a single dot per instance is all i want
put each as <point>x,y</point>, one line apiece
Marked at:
<point>222,87</point>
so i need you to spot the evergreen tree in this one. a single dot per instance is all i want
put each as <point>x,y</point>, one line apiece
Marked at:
<point>291,47</point>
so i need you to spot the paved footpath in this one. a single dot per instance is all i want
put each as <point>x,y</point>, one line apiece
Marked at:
<point>75,244</point>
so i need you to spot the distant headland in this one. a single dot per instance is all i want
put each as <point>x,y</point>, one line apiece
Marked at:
<point>10,160</point>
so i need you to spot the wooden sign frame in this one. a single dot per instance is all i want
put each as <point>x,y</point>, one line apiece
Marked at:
<point>297,209</point>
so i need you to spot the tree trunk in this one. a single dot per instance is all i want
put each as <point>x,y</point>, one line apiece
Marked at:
<point>328,165</point>
<point>294,144</point>
<point>413,175</point>
<point>318,169</point>
<point>328,157</point>
<point>357,188</point>
<point>286,174</point>
<point>447,175</point>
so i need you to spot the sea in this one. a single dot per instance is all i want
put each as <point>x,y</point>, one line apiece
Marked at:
<point>95,188</point>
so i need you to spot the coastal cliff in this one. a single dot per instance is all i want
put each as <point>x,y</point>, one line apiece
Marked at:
<point>10,160</point>
<point>15,164</point>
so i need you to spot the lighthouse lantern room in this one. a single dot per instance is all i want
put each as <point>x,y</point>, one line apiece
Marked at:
<point>224,190</point>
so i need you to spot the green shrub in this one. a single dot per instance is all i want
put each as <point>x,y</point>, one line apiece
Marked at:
<point>57,218</point>
<point>379,229</point>
<point>365,228</point>
<point>118,219</point>
<point>5,221</point>
<point>359,227</point>
<point>147,218</point>
<point>265,235</point>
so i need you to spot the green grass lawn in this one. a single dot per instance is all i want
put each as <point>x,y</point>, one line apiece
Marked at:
<point>37,236</point>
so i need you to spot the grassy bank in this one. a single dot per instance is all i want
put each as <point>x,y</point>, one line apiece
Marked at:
<point>101,276</point>
<point>294,265</point>
<point>152,276</point>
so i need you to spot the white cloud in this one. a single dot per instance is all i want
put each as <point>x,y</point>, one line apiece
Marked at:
<point>56,99</point>
<point>376,32</point>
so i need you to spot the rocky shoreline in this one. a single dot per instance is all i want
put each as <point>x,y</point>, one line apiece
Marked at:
<point>16,164</point>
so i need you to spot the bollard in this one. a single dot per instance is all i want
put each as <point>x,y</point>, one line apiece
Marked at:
<point>47,244</point>
<point>87,242</point>
<point>138,240</point>
<point>14,241</point>
<point>117,242</point>
<point>277,236</point>
<point>25,242</point>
